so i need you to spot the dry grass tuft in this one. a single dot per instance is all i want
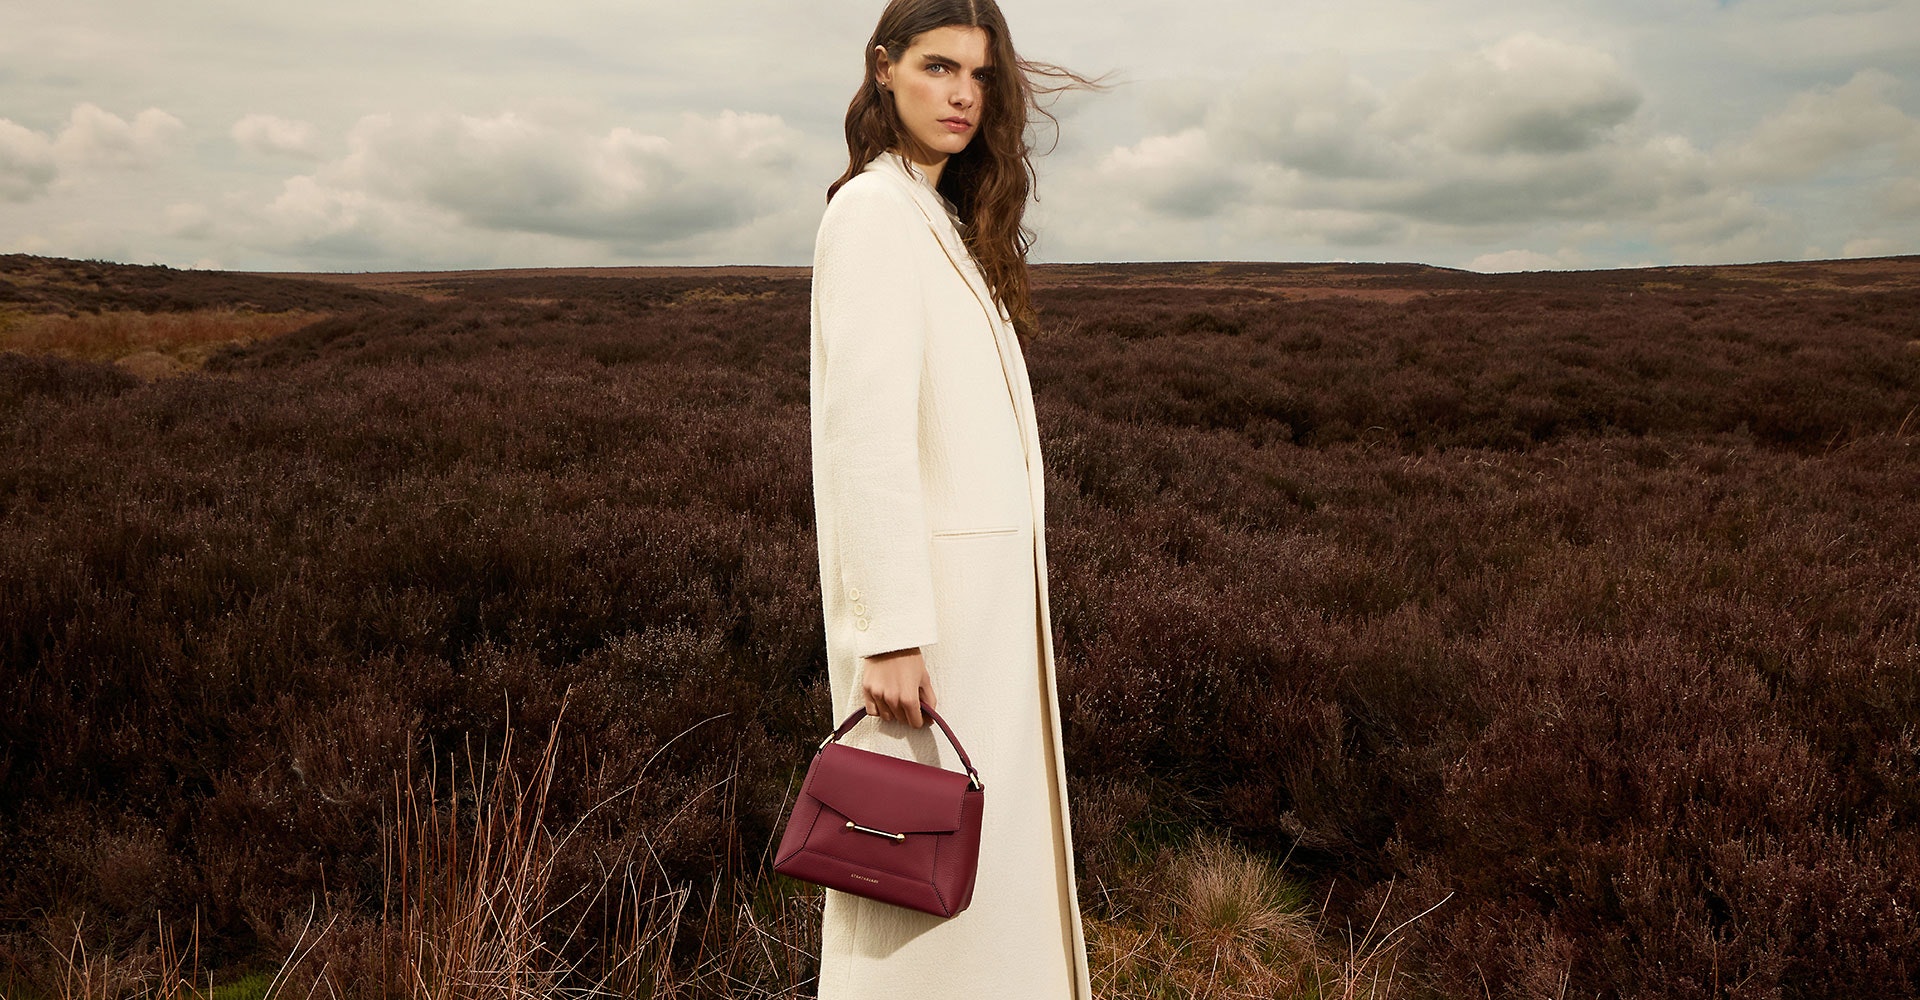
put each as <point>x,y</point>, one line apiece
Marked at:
<point>1234,903</point>
<point>719,295</point>
<point>1215,921</point>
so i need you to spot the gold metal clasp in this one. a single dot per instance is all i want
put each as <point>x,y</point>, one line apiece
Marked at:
<point>851,825</point>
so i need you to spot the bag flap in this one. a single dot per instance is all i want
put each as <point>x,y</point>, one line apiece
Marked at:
<point>887,793</point>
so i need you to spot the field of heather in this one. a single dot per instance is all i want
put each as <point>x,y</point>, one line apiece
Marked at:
<point>1422,633</point>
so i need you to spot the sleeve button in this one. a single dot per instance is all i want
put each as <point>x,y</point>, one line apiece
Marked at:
<point>860,624</point>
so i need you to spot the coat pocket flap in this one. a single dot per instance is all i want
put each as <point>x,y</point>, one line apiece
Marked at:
<point>887,793</point>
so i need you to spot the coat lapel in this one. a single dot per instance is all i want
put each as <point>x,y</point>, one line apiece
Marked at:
<point>948,234</point>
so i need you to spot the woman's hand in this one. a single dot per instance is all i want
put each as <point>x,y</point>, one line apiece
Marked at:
<point>894,684</point>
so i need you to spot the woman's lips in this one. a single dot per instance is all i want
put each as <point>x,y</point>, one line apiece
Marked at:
<point>956,124</point>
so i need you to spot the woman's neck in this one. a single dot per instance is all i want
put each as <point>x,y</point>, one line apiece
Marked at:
<point>932,170</point>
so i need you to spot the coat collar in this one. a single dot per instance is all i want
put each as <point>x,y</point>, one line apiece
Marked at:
<point>942,219</point>
<point>905,168</point>
<point>945,224</point>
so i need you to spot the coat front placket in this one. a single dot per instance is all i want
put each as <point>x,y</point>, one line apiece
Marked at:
<point>1020,393</point>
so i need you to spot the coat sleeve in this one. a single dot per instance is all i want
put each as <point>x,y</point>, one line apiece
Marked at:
<point>872,320</point>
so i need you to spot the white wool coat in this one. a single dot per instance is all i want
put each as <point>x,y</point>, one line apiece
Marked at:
<point>928,498</point>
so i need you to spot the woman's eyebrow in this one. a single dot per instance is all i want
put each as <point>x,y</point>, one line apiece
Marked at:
<point>934,57</point>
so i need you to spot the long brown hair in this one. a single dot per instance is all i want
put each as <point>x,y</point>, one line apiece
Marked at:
<point>988,182</point>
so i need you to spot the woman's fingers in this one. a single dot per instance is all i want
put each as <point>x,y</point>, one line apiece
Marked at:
<point>894,687</point>
<point>894,707</point>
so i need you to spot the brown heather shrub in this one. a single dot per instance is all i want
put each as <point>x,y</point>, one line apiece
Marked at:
<point>1585,604</point>
<point>25,379</point>
<point>51,285</point>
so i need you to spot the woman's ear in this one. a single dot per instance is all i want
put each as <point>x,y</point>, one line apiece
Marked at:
<point>882,67</point>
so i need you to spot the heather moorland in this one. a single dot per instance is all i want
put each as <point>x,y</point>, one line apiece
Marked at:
<point>1421,633</point>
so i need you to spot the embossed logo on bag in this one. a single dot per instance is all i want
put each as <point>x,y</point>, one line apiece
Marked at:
<point>863,878</point>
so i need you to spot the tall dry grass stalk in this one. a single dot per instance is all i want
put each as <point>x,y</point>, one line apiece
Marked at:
<point>472,910</point>
<point>168,970</point>
<point>468,889</point>
<point>160,973</point>
<point>469,913</point>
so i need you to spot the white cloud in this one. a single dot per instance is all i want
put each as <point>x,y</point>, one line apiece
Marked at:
<point>96,137</point>
<point>1821,127</point>
<point>268,134</point>
<point>26,162</point>
<point>32,162</point>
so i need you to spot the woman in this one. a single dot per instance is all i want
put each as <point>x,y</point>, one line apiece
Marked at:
<point>928,495</point>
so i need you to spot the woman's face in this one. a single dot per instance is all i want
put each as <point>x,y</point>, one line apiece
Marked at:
<point>939,88</point>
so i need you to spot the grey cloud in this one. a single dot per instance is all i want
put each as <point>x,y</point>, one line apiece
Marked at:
<point>445,186</point>
<point>512,173</point>
<point>1180,175</point>
<point>1525,94</point>
<point>1529,131</point>
<point>1563,131</point>
<point>1312,116</point>
<point>1727,225</point>
<point>1198,199</point>
<point>1348,228</point>
<point>1593,184</point>
<point>1831,34</point>
<point>1172,105</point>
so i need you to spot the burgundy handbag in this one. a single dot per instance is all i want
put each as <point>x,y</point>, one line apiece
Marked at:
<point>885,828</point>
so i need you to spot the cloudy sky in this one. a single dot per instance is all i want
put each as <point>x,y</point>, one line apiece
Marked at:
<point>361,135</point>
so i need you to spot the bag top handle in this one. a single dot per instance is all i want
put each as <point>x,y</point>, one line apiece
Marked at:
<point>861,712</point>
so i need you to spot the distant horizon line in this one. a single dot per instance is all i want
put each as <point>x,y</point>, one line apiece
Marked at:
<point>1048,264</point>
